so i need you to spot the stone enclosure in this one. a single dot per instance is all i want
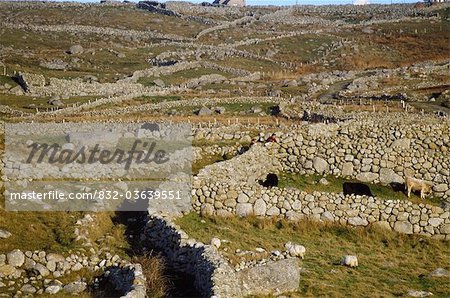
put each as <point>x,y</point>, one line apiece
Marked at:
<point>371,152</point>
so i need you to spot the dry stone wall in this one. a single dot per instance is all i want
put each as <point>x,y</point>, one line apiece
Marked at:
<point>375,152</point>
<point>213,275</point>
<point>244,199</point>
<point>369,151</point>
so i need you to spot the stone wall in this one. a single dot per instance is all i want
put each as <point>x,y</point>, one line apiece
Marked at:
<point>245,199</point>
<point>367,151</point>
<point>38,272</point>
<point>213,275</point>
<point>375,152</point>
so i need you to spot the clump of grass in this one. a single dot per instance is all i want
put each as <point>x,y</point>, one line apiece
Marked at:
<point>153,268</point>
<point>391,264</point>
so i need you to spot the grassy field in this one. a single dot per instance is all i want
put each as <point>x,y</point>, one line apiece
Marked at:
<point>311,183</point>
<point>390,264</point>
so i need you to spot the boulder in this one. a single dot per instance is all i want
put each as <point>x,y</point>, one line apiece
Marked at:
<point>320,165</point>
<point>41,270</point>
<point>76,49</point>
<point>7,270</point>
<point>204,111</point>
<point>260,207</point>
<point>244,209</point>
<point>367,177</point>
<point>75,287</point>
<point>4,234</point>
<point>357,221</point>
<point>18,90</point>
<point>53,289</point>
<point>159,83</point>
<point>347,169</point>
<point>403,227</point>
<point>388,176</point>
<point>16,258</point>
<point>272,278</point>
<point>28,289</point>
<point>443,187</point>
<point>439,272</point>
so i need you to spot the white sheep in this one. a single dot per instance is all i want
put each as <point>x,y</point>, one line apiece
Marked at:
<point>295,250</point>
<point>215,242</point>
<point>350,261</point>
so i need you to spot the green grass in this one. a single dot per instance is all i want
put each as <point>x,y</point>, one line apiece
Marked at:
<point>390,264</point>
<point>7,80</point>
<point>206,161</point>
<point>310,183</point>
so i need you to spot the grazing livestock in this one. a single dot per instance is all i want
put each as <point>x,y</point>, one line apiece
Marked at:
<point>271,180</point>
<point>295,250</point>
<point>414,184</point>
<point>150,126</point>
<point>350,261</point>
<point>355,188</point>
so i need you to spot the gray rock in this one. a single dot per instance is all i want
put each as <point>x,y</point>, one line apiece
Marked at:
<point>53,289</point>
<point>159,83</point>
<point>273,278</point>
<point>204,111</point>
<point>324,181</point>
<point>382,224</point>
<point>51,265</point>
<point>77,267</point>
<point>273,211</point>
<point>76,49</point>
<point>403,227</point>
<point>435,222</point>
<point>29,289</point>
<point>17,90</point>
<point>54,65</point>
<point>55,257</point>
<point>56,101</point>
<point>443,187</point>
<point>260,207</point>
<point>439,272</point>
<point>320,165</point>
<point>75,287</point>
<point>347,169</point>
<point>4,234</point>
<point>15,258</point>
<point>367,177</point>
<point>41,270</point>
<point>244,209</point>
<point>388,176</point>
<point>357,221</point>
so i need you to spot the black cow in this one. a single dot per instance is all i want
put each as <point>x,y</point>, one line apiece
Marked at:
<point>354,188</point>
<point>150,126</point>
<point>271,181</point>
